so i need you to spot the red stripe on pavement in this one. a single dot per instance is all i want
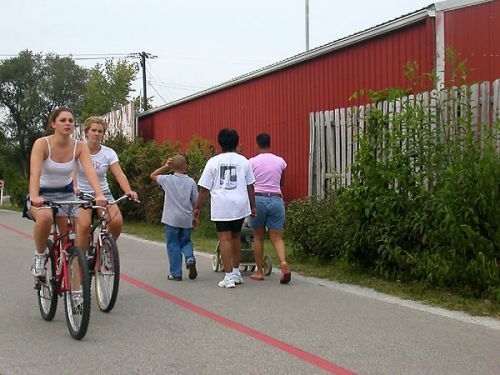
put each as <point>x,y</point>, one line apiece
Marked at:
<point>292,350</point>
<point>305,356</point>
<point>16,231</point>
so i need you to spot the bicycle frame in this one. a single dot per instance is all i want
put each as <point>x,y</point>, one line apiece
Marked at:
<point>58,252</point>
<point>103,257</point>
<point>61,277</point>
<point>100,225</point>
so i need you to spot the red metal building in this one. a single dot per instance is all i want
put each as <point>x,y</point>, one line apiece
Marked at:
<point>278,98</point>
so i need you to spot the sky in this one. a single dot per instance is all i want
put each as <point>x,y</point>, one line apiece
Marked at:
<point>196,44</point>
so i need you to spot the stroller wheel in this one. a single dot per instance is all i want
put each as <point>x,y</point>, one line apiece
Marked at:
<point>267,265</point>
<point>215,264</point>
<point>216,259</point>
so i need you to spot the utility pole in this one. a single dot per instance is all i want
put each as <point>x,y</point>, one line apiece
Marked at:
<point>307,25</point>
<point>144,56</point>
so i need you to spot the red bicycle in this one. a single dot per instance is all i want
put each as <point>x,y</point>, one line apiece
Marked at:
<point>103,256</point>
<point>66,274</point>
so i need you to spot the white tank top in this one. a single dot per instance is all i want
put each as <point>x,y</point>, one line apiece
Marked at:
<point>57,174</point>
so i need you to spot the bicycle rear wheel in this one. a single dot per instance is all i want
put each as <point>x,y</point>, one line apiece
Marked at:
<point>107,274</point>
<point>46,287</point>
<point>77,294</point>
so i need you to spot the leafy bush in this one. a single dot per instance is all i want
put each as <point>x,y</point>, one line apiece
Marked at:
<point>138,159</point>
<point>423,203</point>
<point>318,227</point>
<point>17,186</point>
<point>427,203</point>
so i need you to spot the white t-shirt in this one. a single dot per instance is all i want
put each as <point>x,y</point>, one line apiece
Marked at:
<point>101,162</point>
<point>227,176</point>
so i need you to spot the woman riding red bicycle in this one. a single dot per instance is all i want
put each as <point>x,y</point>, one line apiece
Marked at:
<point>53,159</point>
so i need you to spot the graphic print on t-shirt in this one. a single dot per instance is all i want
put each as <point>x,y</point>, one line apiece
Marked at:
<point>228,178</point>
<point>96,164</point>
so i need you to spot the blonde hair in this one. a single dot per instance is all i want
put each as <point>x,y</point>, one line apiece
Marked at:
<point>95,120</point>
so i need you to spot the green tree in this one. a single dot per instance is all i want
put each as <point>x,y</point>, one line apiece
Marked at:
<point>108,86</point>
<point>31,86</point>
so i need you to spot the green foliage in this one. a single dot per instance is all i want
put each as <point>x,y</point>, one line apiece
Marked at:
<point>31,86</point>
<point>17,187</point>
<point>423,204</point>
<point>108,87</point>
<point>138,160</point>
<point>198,151</point>
<point>318,227</point>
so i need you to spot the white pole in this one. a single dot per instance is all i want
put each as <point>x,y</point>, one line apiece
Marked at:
<point>307,25</point>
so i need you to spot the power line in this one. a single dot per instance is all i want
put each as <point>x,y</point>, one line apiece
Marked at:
<point>157,92</point>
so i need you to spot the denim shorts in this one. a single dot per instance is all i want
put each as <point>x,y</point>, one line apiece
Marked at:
<point>270,213</point>
<point>107,194</point>
<point>55,196</point>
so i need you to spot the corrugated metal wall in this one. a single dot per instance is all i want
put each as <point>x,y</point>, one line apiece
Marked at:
<point>474,32</point>
<point>280,103</point>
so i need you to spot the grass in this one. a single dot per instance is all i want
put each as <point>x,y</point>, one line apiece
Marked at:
<point>9,206</point>
<point>204,240</point>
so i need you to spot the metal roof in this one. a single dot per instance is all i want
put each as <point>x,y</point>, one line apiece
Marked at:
<point>386,27</point>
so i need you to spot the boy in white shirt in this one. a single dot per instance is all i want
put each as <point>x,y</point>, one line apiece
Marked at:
<point>229,179</point>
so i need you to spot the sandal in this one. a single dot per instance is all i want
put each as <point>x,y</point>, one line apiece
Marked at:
<point>286,275</point>
<point>257,277</point>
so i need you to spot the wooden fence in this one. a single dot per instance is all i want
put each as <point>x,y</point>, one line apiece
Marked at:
<point>121,121</point>
<point>334,137</point>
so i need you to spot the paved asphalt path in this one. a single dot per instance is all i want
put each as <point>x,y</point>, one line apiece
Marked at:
<point>194,327</point>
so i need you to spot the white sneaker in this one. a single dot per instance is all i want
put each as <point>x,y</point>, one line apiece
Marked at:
<point>38,266</point>
<point>228,282</point>
<point>77,298</point>
<point>238,279</point>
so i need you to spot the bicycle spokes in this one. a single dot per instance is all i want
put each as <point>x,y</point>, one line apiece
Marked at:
<point>47,289</point>
<point>77,296</point>
<point>107,274</point>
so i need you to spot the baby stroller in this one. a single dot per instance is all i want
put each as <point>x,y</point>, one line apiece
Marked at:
<point>247,262</point>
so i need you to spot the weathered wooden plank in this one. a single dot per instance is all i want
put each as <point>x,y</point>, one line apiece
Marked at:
<point>496,111</point>
<point>343,134</point>
<point>348,145</point>
<point>484,105</point>
<point>454,122</point>
<point>317,157</point>
<point>338,146</point>
<point>312,143</point>
<point>444,113</point>
<point>322,151</point>
<point>474,107</point>
<point>330,141</point>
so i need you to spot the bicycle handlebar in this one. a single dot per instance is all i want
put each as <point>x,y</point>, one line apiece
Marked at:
<point>90,197</point>
<point>58,204</point>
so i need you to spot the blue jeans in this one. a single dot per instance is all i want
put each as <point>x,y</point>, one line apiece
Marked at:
<point>178,244</point>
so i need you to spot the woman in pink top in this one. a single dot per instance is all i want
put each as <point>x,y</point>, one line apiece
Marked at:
<point>268,170</point>
<point>52,162</point>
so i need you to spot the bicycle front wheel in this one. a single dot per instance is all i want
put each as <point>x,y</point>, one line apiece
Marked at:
<point>77,294</point>
<point>46,287</point>
<point>107,274</point>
